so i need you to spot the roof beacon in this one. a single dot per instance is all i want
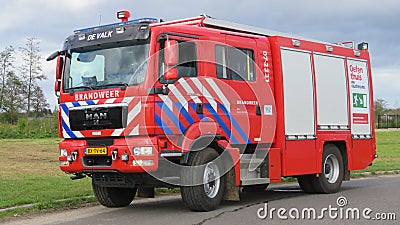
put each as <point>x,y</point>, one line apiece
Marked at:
<point>123,16</point>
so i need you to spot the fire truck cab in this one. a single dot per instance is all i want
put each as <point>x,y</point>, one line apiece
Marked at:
<point>212,107</point>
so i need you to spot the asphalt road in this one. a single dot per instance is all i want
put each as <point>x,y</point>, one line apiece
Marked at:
<point>373,198</point>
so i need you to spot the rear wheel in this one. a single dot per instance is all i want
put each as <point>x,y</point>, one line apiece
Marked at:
<point>205,181</point>
<point>332,174</point>
<point>112,196</point>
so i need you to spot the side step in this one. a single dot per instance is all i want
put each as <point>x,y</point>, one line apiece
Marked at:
<point>254,181</point>
<point>254,170</point>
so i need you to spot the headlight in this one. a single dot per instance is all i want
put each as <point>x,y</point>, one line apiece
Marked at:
<point>63,152</point>
<point>142,162</point>
<point>144,150</point>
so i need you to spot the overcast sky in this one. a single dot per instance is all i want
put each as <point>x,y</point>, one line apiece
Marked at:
<point>376,22</point>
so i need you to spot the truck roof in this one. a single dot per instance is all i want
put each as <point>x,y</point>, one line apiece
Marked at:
<point>207,21</point>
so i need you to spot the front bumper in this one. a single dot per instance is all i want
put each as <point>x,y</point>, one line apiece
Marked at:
<point>119,155</point>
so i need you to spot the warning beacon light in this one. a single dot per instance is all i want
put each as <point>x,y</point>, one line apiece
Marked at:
<point>123,15</point>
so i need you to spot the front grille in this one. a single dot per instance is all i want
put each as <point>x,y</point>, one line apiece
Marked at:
<point>100,142</point>
<point>98,118</point>
<point>97,161</point>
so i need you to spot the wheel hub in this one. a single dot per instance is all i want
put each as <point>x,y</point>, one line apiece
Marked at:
<point>327,169</point>
<point>331,168</point>
<point>211,180</point>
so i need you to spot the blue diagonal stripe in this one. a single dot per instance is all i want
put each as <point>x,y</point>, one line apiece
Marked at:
<point>90,102</point>
<point>64,108</point>
<point>235,124</point>
<point>171,116</point>
<point>161,124</point>
<point>193,106</point>
<point>65,126</point>
<point>221,123</point>
<point>68,130</point>
<point>184,112</point>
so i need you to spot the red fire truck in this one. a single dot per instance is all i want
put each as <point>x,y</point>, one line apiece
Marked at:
<point>212,107</point>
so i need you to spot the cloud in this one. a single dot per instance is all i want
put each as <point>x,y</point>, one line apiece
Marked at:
<point>373,21</point>
<point>386,83</point>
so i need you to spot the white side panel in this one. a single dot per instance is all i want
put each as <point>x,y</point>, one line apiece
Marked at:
<point>298,93</point>
<point>331,90</point>
<point>360,97</point>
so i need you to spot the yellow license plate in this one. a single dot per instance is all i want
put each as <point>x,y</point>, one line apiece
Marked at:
<point>96,151</point>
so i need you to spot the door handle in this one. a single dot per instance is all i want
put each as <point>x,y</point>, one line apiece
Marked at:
<point>199,108</point>
<point>258,110</point>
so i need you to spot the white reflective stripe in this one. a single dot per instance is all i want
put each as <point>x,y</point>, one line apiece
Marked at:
<point>135,131</point>
<point>117,132</point>
<point>179,96</point>
<point>110,100</point>
<point>128,99</point>
<point>206,94</point>
<point>78,134</point>
<point>167,101</point>
<point>65,134</point>
<point>221,95</point>
<point>69,104</point>
<point>64,116</point>
<point>189,90</point>
<point>134,112</point>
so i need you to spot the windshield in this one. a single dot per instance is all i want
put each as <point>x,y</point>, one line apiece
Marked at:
<point>106,67</point>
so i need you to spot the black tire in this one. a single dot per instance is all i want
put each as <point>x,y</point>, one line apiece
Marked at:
<point>332,174</point>
<point>112,196</point>
<point>195,196</point>
<point>306,183</point>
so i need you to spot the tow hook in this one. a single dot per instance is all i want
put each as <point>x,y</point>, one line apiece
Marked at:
<point>78,176</point>
<point>74,155</point>
<point>114,154</point>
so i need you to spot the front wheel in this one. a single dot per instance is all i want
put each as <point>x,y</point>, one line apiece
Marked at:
<point>112,196</point>
<point>203,182</point>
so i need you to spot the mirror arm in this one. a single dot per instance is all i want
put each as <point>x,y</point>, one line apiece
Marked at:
<point>54,55</point>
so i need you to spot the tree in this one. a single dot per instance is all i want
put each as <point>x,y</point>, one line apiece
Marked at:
<point>13,98</point>
<point>6,68</point>
<point>39,102</point>
<point>381,107</point>
<point>31,69</point>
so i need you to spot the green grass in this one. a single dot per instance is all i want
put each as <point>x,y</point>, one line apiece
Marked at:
<point>44,127</point>
<point>30,174</point>
<point>41,189</point>
<point>388,150</point>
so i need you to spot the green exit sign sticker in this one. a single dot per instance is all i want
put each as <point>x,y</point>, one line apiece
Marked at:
<point>359,100</point>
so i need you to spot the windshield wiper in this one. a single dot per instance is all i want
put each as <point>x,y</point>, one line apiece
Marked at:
<point>81,87</point>
<point>73,89</point>
<point>122,85</point>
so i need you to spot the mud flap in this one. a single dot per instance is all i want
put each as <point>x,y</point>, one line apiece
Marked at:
<point>274,159</point>
<point>231,192</point>
<point>145,192</point>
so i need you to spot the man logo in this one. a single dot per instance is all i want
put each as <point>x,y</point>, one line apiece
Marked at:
<point>96,116</point>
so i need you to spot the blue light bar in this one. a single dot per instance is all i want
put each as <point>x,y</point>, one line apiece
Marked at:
<point>113,25</point>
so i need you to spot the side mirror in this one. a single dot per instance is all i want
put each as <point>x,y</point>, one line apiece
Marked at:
<point>171,74</point>
<point>171,53</point>
<point>53,55</point>
<point>57,86</point>
<point>60,67</point>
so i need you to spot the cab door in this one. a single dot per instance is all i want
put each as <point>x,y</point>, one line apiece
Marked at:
<point>236,76</point>
<point>179,103</point>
